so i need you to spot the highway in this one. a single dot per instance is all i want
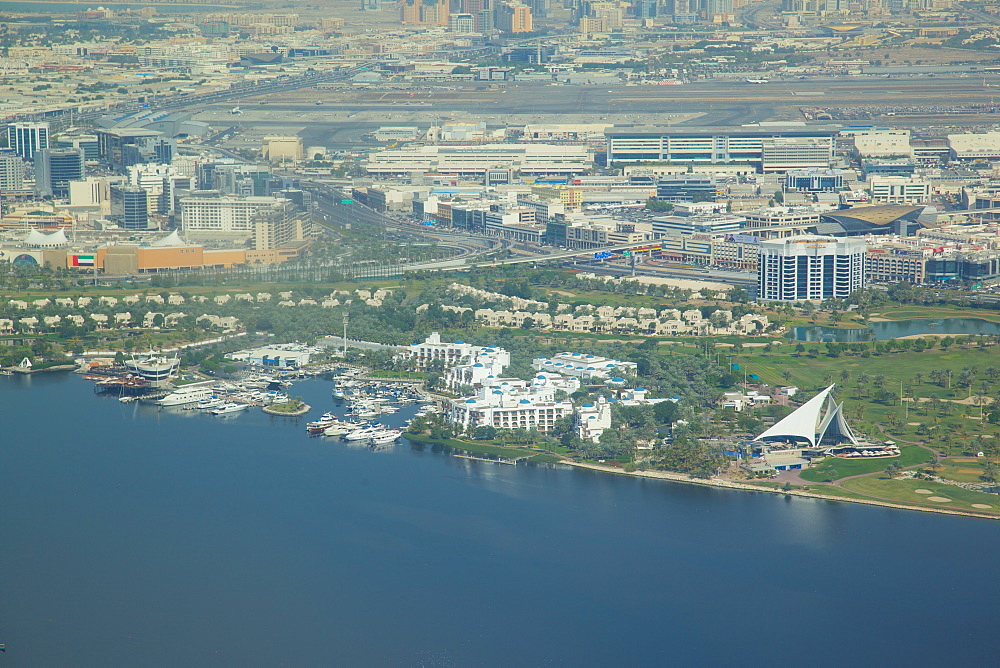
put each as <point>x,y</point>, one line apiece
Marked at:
<point>471,247</point>
<point>330,203</point>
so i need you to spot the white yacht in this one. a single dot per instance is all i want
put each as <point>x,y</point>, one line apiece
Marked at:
<point>210,403</point>
<point>362,434</point>
<point>229,407</point>
<point>340,429</point>
<point>385,436</point>
<point>186,395</point>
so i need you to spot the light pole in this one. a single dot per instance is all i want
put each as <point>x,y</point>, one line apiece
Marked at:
<point>346,316</point>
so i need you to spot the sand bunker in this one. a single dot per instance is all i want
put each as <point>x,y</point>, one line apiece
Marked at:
<point>938,499</point>
<point>981,505</point>
<point>923,491</point>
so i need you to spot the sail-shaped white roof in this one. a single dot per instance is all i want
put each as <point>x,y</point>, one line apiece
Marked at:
<point>172,239</point>
<point>38,238</point>
<point>835,424</point>
<point>802,423</point>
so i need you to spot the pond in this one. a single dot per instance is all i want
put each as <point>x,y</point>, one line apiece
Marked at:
<point>895,329</point>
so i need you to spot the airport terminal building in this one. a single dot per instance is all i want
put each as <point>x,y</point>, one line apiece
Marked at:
<point>767,147</point>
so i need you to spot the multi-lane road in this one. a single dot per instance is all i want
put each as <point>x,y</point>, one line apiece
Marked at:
<point>478,251</point>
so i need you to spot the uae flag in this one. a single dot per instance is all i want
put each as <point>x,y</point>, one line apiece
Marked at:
<point>83,260</point>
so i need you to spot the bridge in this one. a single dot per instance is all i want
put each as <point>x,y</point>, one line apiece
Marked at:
<point>574,253</point>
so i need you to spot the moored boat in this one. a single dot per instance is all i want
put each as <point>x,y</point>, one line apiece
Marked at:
<point>362,434</point>
<point>210,403</point>
<point>383,436</point>
<point>340,428</point>
<point>185,395</point>
<point>229,407</point>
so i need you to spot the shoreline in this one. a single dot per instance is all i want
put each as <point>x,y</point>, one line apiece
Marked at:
<point>728,484</point>
<point>30,370</point>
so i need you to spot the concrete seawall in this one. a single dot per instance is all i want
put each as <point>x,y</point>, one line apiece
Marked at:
<point>728,484</point>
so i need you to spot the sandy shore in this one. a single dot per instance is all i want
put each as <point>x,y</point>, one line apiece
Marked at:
<point>728,484</point>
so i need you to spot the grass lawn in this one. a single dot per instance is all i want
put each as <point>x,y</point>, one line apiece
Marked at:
<point>468,446</point>
<point>812,372</point>
<point>936,415</point>
<point>545,459</point>
<point>912,311</point>
<point>835,468</point>
<point>829,490</point>
<point>824,490</point>
<point>902,491</point>
<point>962,471</point>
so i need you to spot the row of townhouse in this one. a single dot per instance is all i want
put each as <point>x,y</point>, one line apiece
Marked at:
<point>519,303</point>
<point>370,297</point>
<point>690,323</point>
<point>31,324</point>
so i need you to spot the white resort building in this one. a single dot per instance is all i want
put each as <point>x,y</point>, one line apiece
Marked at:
<point>511,403</point>
<point>483,363</point>
<point>433,349</point>
<point>585,366</point>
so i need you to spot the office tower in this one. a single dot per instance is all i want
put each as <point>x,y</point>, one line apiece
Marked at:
<point>644,9</point>
<point>513,16</point>
<point>713,7</point>
<point>55,168</point>
<point>26,139</point>
<point>682,11</point>
<point>463,23</point>
<point>226,214</point>
<point>11,172</point>
<point>810,267</point>
<point>122,147</point>
<point>130,207</point>
<point>540,9</point>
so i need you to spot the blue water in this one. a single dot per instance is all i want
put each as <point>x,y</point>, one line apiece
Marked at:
<point>894,329</point>
<point>146,537</point>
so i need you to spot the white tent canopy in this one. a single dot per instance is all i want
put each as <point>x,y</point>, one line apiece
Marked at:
<point>808,423</point>
<point>38,238</point>
<point>172,239</point>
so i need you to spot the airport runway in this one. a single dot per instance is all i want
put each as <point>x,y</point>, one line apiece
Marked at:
<point>343,115</point>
